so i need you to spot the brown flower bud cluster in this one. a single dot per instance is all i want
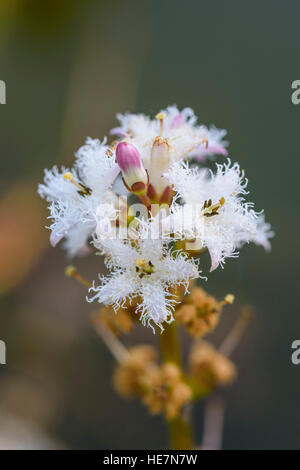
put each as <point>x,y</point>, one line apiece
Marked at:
<point>167,392</point>
<point>130,377</point>
<point>200,312</point>
<point>160,388</point>
<point>117,323</point>
<point>210,367</point>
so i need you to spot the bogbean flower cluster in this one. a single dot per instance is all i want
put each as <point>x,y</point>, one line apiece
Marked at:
<point>183,209</point>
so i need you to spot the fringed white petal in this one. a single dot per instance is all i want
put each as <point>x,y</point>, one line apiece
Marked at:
<point>157,305</point>
<point>114,290</point>
<point>119,252</point>
<point>76,240</point>
<point>235,222</point>
<point>55,186</point>
<point>96,167</point>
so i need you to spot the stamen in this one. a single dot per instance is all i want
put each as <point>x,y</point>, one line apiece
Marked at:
<point>204,141</point>
<point>144,266</point>
<point>83,190</point>
<point>111,148</point>
<point>69,177</point>
<point>140,262</point>
<point>228,300</point>
<point>209,210</point>
<point>71,271</point>
<point>197,145</point>
<point>161,117</point>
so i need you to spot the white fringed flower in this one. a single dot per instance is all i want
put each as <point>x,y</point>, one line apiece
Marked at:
<point>215,211</point>
<point>177,204</point>
<point>172,136</point>
<point>145,271</point>
<point>75,195</point>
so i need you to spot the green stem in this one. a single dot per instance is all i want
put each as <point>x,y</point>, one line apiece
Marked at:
<point>169,345</point>
<point>180,431</point>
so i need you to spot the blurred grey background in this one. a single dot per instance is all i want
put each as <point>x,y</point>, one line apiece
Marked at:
<point>69,67</point>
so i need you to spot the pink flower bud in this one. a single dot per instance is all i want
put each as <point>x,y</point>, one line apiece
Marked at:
<point>134,174</point>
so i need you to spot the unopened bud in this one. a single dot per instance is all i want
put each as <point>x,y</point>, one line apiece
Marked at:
<point>159,164</point>
<point>134,174</point>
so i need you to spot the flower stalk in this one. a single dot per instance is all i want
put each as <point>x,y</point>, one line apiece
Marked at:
<point>169,345</point>
<point>180,430</point>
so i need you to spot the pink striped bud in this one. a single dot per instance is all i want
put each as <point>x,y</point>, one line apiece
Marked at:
<point>134,174</point>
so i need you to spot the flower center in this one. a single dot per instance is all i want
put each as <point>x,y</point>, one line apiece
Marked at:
<point>143,267</point>
<point>209,209</point>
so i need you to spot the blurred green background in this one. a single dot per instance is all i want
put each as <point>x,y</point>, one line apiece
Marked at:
<point>69,67</point>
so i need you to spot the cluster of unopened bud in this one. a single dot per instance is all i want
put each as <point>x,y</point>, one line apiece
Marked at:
<point>210,367</point>
<point>117,323</point>
<point>167,393</point>
<point>200,312</point>
<point>130,376</point>
<point>161,388</point>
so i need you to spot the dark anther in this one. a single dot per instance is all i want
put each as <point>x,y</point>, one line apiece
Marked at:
<point>85,192</point>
